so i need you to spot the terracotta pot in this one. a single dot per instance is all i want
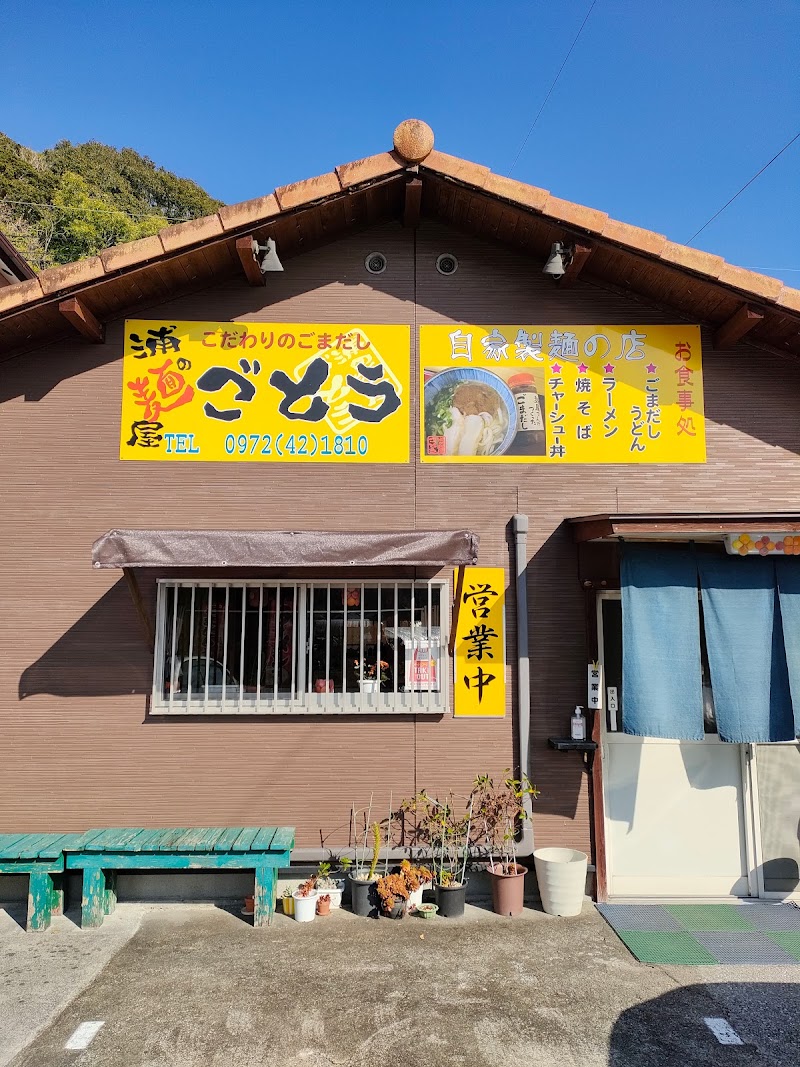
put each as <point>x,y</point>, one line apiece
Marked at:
<point>324,905</point>
<point>249,903</point>
<point>508,890</point>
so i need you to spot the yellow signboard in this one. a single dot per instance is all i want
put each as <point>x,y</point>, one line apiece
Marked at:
<point>561,394</point>
<point>261,392</point>
<point>480,659</point>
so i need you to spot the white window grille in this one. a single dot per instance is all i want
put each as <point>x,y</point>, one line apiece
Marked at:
<point>284,647</point>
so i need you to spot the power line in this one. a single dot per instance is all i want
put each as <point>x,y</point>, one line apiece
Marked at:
<point>96,207</point>
<point>552,87</point>
<point>718,213</point>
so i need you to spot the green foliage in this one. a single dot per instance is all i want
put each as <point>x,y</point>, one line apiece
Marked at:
<point>70,201</point>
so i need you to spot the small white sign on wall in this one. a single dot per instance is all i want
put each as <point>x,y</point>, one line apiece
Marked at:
<point>594,699</point>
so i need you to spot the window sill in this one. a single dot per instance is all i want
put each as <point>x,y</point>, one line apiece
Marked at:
<point>291,713</point>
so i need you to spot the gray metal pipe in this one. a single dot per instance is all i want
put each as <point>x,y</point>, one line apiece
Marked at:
<point>520,523</point>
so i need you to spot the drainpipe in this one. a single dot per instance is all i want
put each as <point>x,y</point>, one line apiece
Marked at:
<point>525,844</point>
<point>525,847</point>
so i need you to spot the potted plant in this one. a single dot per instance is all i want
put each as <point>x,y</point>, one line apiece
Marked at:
<point>498,811</point>
<point>324,904</point>
<point>362,877</point>
<point>371,675</point>
<point>330,886</point>
<point>393,892</point>
<point>427,911</point>
<point>287,900</point>
<point>445,830</point>
<point>418,879</point>
<point>305,901</point>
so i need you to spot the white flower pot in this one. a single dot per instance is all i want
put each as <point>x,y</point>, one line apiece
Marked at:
<point>370,685</point>
<point>305,908</point>
<point>561,874</point>
<point>415,897</point>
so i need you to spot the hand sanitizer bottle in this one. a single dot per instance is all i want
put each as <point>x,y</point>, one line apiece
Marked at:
<point>578,725</point>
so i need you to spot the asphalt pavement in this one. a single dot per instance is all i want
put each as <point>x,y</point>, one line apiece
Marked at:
<point>196,986</point>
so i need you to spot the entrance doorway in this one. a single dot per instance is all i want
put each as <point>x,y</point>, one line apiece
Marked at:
<point>693,818</point>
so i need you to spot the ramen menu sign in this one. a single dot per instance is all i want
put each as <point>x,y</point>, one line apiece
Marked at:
<point>262,392</point>
<point>561,394</point>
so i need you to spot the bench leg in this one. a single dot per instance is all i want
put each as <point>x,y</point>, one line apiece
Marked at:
<point>266,886</point>
<point>58,894</point>
<point>40,900</point>
<point>93,903</point>
<point>110,900</point>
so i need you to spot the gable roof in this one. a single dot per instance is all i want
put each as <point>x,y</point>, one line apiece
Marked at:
<point>414,177</point>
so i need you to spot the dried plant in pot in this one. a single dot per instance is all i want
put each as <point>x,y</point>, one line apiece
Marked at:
<point>444,828</point>
<point>418,878</point>
<point>393,892</point>
<point>499,811</point>
<point>363,875</point>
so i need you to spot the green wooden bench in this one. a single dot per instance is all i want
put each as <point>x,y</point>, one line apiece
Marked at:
<point>101,853</point>
<point>41,857</point>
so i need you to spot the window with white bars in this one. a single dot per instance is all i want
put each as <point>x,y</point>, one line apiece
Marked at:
<point>278,647</point>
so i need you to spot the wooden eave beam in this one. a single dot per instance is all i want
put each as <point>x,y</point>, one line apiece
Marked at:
<point>413,202</point>
<point>252,271</point>
<point>734,329</point>
<point>580,257</point>
<point>79,316</point>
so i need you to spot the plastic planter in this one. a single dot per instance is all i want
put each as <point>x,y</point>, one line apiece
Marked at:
<point>450,900</point>
<point>305,908</point>
<point>364,899</point>
<point>508,890</point>
<point>561,874</point>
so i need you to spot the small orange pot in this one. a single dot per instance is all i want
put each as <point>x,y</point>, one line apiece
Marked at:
<point>324,905</point>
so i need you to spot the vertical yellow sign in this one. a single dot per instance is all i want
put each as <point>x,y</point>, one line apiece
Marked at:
<point>480,659</point>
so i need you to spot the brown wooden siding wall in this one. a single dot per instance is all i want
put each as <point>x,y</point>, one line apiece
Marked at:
<point>77,747</point>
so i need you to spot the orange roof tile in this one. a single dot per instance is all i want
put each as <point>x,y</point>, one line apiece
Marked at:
<point>240,218</point>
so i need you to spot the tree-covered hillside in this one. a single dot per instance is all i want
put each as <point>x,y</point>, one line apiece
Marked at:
<point>72,200</point>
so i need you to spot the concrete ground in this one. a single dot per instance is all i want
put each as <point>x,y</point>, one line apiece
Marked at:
<point>195,986</point>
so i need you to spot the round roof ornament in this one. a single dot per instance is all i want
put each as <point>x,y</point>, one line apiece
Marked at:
<point>413,140</point>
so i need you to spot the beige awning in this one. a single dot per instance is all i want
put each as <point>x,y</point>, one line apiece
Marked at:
<point>270,548</point>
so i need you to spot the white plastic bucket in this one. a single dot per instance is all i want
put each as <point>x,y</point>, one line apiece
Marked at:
<point>561,874</point>
<point>305,908</point>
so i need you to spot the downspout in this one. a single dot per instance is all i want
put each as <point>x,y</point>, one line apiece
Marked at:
<point>525,846</point>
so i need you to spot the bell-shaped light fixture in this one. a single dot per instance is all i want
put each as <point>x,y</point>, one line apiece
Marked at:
<point>557,261</point>
<point>269,256</point>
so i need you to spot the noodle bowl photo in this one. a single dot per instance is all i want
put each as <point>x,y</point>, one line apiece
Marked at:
<point>471,411</point>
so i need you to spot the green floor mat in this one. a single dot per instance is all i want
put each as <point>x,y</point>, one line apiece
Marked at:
<point>709,917</point>
<point>708,934</point>
<point>789,940</point>
<point>652,946</point>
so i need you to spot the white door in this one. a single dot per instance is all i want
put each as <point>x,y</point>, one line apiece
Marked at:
<point>675,810</point>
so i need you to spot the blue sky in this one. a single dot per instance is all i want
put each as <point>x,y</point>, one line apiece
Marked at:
<point>662,113</point>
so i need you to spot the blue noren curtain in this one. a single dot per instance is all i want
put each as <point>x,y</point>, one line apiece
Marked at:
<point>661,669</point>
<point>746,655</point>
<point>787,571</point>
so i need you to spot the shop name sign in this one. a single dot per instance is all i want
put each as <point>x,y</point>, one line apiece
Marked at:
<point>561,394</point>
<point>480,646</point>
<point>261,392</point>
